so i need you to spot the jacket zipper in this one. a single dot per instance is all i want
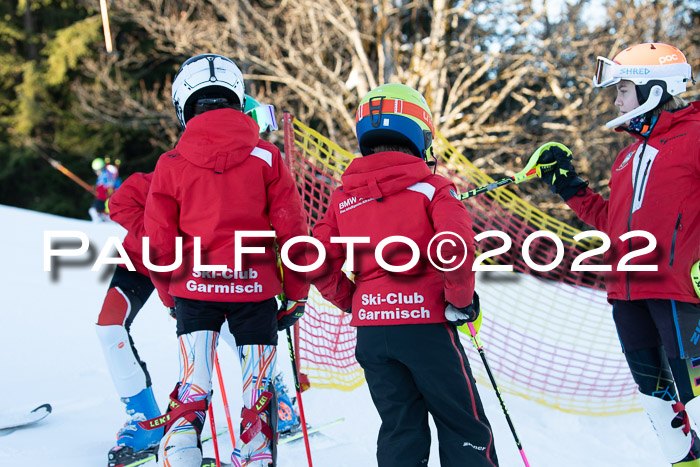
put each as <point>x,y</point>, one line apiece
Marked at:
<point>644,177</point>
<point>629,218</point>
<point>673,242</point>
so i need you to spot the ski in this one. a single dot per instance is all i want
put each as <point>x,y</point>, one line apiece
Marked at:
<point>151,456</point>
<point>206,462</point>
<point>212,462</point>
<point>300,434</point>
<point>21,419</point>
<point>123,456</point>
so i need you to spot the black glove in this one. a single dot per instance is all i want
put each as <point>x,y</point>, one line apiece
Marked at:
<point>289,312</point>
<point>460,316</point>
<point>171,311</point>
<point>561,176</point>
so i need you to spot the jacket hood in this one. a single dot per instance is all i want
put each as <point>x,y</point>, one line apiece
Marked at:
<point>218,139</point>
<point>669,119</point>
<point>383,174</point>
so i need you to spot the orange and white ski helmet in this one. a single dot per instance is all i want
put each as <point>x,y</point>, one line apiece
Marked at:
<point>659,71</point>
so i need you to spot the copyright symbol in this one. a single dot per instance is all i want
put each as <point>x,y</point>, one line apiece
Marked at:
<point>448,240</point>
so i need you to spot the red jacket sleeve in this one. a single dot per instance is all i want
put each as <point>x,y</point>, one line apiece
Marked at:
<point>127,204</point>
<point>161,221</point>
<point>329,279</point>
<point>591,208</point>
<point>288,219</point>
<point>448,214</point>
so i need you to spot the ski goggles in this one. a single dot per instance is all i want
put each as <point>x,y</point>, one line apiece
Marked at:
<point>605,73</point>
<point>265,116</point>
<point>608,73</point>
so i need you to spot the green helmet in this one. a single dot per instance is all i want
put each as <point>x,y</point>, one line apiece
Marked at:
<point>395,114</point>
<point>98,164</point>
<point>263,114</point>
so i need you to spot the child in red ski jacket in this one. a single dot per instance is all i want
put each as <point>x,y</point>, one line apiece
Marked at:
<point>653,188</point>
<point>407,341</point>
<point>220,179</point>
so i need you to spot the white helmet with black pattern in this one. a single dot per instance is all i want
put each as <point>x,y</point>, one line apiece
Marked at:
<point>207,77</point>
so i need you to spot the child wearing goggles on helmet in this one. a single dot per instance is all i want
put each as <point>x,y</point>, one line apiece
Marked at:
<point>653,187</point>
<point>407,341</point>
<point>219,179</point>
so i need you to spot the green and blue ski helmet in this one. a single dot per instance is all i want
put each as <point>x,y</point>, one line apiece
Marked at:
<point>98,164</point>
<point>395,114</point>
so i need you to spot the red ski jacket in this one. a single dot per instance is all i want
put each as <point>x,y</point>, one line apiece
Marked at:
<point>654,186</point>
<point>126,207</point>
<point>219,179</point>
<point>389,194</point>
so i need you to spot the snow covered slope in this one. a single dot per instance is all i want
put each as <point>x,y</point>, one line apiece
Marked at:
<point>49,353</point>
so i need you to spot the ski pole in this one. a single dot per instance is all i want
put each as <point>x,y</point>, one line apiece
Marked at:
<point>292,356</point>
<point>532,169</point>
<point>213,435</point>
<point>225,399</point>
<point>480,349</point>
<point>58,166</point>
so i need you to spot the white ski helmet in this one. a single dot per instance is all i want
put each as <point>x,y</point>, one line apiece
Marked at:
<point>206,76</point>
<point>659,72</point>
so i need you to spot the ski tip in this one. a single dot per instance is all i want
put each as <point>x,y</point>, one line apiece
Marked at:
<point>46,407</point>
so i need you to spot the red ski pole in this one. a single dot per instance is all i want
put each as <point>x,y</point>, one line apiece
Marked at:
<point>213,435</point>
<point>298,389</point>
<point>225,399</point>
<point>58,166</point>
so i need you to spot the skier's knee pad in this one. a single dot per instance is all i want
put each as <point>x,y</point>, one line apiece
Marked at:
<point>651,372</point>
<point>127,373</point>
<point>115,308</point>
<point>686,373</point>
<point>197,351</point>
<point>671,426</point>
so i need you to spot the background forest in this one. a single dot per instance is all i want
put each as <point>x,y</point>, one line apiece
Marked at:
<point>501,76</point>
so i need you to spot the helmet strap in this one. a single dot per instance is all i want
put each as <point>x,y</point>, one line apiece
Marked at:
<point>433,163</point>
<point>654,98</point>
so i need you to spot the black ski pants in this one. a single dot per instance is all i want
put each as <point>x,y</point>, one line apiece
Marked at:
<point>415,369</point>
<point>661,341</point>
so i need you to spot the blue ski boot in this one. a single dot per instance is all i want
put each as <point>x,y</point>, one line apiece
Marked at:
<point>140,407</point>
<point>288,421</point>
